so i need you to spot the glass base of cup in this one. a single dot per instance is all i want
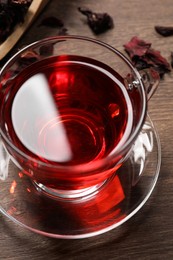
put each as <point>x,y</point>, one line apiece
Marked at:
<point>69,195</point>
<point>90,212</point>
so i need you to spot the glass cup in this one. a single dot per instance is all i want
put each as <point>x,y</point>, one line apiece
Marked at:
<point>71,110</point>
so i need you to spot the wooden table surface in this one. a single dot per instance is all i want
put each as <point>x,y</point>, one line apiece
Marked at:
<point>148,234</point>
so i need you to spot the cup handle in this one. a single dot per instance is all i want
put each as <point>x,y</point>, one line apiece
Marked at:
<point>150,79</point>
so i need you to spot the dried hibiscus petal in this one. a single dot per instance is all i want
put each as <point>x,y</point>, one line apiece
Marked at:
<point>156,58</point>
<point>98,22</point>
<point>164,30</point>
<point>12,12</point>
<point>172,59</point>
<point>52,21</point>
<point>161,69</point>
<point>21,2</point>
<point>136,47</point>
<point>143,56</point>
<point>157,61</point>
<point>140,63</point>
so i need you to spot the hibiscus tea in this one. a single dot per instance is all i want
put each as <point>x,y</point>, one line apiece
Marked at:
<point>66,111</point>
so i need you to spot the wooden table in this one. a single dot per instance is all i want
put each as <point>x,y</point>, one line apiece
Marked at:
<point>149,234</point>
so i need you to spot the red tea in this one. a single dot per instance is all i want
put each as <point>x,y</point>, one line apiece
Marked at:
<point>68,110</point>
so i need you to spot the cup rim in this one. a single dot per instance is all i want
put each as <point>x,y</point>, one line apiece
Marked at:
<point>85,167</point>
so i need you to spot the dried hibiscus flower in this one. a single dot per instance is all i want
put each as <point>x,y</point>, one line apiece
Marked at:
<point>98,22</point>
<point>157,61</point>
<point>12,12</point>
<point>143,56</point>
<point>164,30</point>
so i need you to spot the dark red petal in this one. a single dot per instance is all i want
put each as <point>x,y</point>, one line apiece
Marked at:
<point>172,59</point>
<point>85,11</point>
<point>140,63</point>
<point>98,22</point>
<point>164,30</point>
<point>143,56</point>
<point>161,69</point>
<point>156,58</point>
<point>11,13</point>
<point>136,47</point>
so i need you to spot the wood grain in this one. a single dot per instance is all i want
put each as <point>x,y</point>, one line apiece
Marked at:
<point>149,234</point>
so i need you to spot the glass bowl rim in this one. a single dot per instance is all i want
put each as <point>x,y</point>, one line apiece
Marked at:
<point>100,162</point>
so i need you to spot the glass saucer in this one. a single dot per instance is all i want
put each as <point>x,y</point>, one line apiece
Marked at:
<point>112,204</point>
